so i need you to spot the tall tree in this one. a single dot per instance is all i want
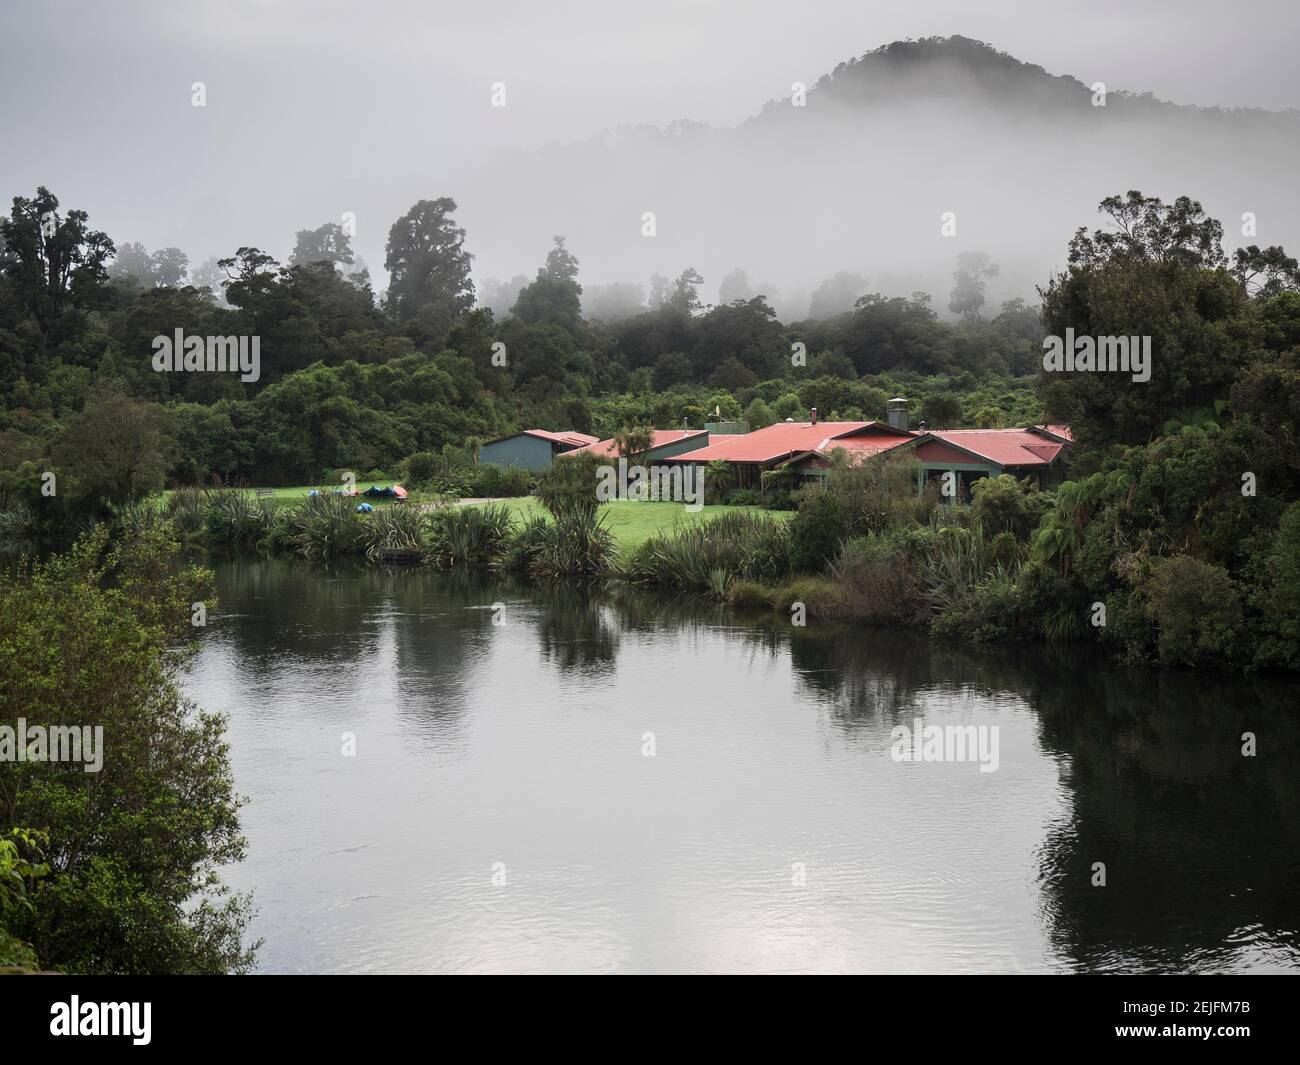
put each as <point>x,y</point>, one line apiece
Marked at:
<point>329,243</point>
<point>1146,229</point>
<point>836,295</point>
<point>1265,272</point>
<point>555,298</point>
<point>561,264</point>
<point>169,267</point>
<point>974,268</point>
<point>132,260</point>
<point>117,449</point>
<point>251,275</point>
<point>427,263</point>
<point>685,294</point>
<point>735,286</point>
<point>209,275</point>
<point>1157,273</point>
<point>52,261</point>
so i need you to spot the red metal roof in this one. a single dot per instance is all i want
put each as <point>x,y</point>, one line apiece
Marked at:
<point>783,440</point>
<point>868,444</point>
<point>1060,431</point>
<point>607,448</point>
<point>858,449</point>
<point>1005,447</point>
<point>572,439</point>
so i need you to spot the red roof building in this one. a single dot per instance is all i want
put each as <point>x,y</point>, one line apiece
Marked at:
<point>764,449</point>
<point>969,454</point>
<point>1055,432</point>
<point>965,454</point>
<point>1006,448</point>
<point>665,442</point>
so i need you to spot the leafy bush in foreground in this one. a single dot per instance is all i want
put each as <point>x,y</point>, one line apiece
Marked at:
<point>87,639</point>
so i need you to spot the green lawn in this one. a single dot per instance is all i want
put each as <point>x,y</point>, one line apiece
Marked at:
<point>290,495</point>
<point>634,523</point>
<point>299,492</point>
<point>631,523</point>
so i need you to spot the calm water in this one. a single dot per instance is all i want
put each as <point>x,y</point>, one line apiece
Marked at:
<point>518,748</point>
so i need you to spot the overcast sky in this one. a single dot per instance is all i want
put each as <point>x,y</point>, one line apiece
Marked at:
<point>316,108</point>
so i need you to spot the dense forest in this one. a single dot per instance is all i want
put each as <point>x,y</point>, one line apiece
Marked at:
<point>1180,517</point>
<point>348,380</point>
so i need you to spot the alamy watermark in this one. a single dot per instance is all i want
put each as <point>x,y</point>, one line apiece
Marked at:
<point>945,743</point>
<point>1108,354</point>
<point>53,743</point>
<point>676,484</point>
<point>78,1018</point>
<point>197,354</point>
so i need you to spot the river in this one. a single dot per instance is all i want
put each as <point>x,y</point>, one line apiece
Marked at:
<point>558,780</point>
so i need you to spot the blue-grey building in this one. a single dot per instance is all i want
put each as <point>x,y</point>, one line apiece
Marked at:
<point>531,449</point>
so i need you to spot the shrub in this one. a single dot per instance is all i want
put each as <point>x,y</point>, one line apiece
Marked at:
<point>765,547</point>
<point>1279,599</point>
<point>878,580</point>
<point>420,468</point>
<point>568,488</point>
<point>988,612</point>
<point>779,499</point>
<point>820,597</point>
<point>1004,504</point>
<point>187,510</point>
<point>131,518</point>
<point>686,557</point>
<point>469,535</point>
<point>881,494</point>
<point>744,546</point>
<point>521,549</point>
<point>959,559</point>
<point>134,849</point>
<point>282,532</point>
<point>750,594</point>
<point>576,545</point>
<point>1054,606</point>
<point>816,531</point>
<point>236,518</point>
<point>20,874</point>
<point>392,528</point>
<point>327,526</point>
<point>497,482</point>
<point>1197,609</point>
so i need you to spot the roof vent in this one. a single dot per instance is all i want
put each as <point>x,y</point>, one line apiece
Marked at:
<point>897,413</point>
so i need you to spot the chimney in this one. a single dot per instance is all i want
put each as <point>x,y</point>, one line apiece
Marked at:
<point>812,415</point>
<point>897,408</point>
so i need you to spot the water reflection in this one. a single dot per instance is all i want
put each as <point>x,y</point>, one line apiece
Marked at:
<point>521,743</point>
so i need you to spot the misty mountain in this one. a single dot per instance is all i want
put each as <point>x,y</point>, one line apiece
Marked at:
<point>859,179</point>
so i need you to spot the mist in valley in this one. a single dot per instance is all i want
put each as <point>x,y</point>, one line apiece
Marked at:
<point>892,167</point>
<point>322,114</point>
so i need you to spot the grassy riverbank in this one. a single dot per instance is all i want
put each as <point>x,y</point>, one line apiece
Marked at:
<point>297,493</point>
<point>632,523</point>
<point>327,525</point>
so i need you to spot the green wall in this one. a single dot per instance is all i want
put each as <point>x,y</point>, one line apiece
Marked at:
<point>525,452</point>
